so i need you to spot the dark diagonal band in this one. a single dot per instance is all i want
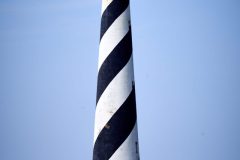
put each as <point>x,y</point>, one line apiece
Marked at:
<point>111,13</point>
<point>114,63</point>
<point>116,130</point>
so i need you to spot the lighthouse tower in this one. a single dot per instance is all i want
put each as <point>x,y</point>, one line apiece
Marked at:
<point>115,132</point>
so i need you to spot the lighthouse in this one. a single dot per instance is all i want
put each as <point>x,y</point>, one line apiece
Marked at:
<point>115,132</point>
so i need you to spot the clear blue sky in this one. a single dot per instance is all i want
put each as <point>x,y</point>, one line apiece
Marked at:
<point>187,72</point>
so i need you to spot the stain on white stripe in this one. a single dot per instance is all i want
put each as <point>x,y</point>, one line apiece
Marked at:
<point>129,149</point>
<point>105,4</point>
<point>113,36</point>
<point>113,97</point>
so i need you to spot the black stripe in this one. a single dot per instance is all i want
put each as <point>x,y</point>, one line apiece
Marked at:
<point>111,13</point>
<point>116,130</point>
<point>114,63</point>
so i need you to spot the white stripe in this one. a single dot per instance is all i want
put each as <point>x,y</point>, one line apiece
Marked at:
<point>113,97</point>
<point>129,149</point>
<point>113,36</point>
<point>105,4</point>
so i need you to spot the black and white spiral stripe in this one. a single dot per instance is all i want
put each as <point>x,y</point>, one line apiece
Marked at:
<point>115,135</point>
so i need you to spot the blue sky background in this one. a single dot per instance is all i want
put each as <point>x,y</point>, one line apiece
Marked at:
<point>187,72</point>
